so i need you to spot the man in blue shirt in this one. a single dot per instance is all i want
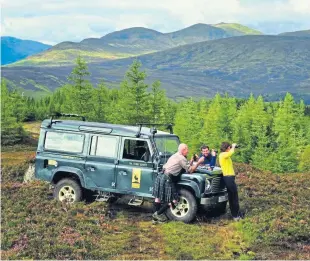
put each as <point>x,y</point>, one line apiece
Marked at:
<point>209,157</point>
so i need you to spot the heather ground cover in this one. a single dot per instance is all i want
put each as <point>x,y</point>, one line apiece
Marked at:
<point>35,226</point>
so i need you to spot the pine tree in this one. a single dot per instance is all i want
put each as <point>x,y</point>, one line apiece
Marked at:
<point>81,97</point>
<point>101,102</point>
<point>158,103</point>
<point>250,130</point>
<point>11,131</point>
<point>290,136</point>
<point>19,105</point>
<point>133,105</point>
<point>217,122</point>
<point>188,124</point>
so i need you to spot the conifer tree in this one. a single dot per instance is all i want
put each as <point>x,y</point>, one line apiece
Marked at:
<point>81,88</point>
<point>158,103</point>
<point>101,102</point>
<point>217,122</point>
<point>250,131</point>
<point>290,136</point>
<point>11,130</point>
<point>188,124</point>
<point>133,105</point>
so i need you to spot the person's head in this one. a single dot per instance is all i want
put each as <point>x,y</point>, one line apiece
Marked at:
<point>205,150</point>
<point>226,146</point>
<point>183,149</point>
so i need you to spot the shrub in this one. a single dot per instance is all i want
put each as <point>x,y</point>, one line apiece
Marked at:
<point>304,162</point>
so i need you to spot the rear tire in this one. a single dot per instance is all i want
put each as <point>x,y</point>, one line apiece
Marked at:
<point>68,190</point>
<point>186,209</point>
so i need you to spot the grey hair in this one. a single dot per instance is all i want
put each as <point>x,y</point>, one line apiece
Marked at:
<point>182,146</point>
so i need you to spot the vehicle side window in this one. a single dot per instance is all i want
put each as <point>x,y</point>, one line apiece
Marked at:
<point>61,141</point>
<point>135,149</point>
<point>103,146</point>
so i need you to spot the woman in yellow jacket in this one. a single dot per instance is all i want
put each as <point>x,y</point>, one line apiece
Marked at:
<point>226,164</point>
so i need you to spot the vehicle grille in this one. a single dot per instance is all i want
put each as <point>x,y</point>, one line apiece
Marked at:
<point>218,185</point>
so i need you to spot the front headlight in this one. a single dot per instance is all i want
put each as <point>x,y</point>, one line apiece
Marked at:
<point>208,186</point>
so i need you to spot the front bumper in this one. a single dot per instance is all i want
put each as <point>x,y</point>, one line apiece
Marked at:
<point>214,200</point>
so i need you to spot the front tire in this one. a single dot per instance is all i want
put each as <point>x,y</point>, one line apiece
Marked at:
<point>68,190</point>
<point>186,208</point>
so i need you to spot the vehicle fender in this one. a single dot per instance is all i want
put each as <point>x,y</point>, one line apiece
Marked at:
<point>72,170</point>
<point>192,185</point>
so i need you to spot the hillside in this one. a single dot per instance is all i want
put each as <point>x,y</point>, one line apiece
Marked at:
<point>129,42</point>
<point>237,29</point>
<point>34,226</point>
<point>304,33</point>
<point>268,65</point>
<point>14,49</point>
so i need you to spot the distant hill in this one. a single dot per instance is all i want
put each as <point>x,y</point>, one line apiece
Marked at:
<point>304,33</point>
<point>237,29</point>
<point>197,33</point>
<point>131,42</point>
<point>267,65</point>
<point>14,49</point>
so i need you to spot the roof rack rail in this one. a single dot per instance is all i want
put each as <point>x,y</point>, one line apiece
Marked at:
<point>58,114</point>
<point>167,125</point>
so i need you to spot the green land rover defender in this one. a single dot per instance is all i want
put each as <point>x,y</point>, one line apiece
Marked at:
<point>118,160</point>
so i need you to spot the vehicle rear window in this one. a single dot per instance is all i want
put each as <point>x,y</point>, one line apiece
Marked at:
<point>60,141</point>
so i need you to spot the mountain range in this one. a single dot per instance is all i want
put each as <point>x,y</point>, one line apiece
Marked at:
<point>14,49</point>
<point>200,60</point>
<point>132,42</point>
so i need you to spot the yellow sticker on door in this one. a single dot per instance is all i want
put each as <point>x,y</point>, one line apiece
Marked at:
<point>136,178</point>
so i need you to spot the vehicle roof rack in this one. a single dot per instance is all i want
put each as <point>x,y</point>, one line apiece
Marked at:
<point>58,114</point>
<point>167,125</point>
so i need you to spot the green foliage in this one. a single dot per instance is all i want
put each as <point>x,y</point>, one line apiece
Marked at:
<point>250,129</point>
<point>188,123</point>
<point>289,135</point>
<point>158,104</point>
<point>101,101</point>
<point>273,136</point>
<point>202,242</point>
<point>217,122</point>
<point>12,108</point>
<point>81,98</point>
<point>133,103</point>
<point>304,163</point>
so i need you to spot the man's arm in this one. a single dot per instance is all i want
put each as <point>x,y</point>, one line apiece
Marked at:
<point>192,168</point>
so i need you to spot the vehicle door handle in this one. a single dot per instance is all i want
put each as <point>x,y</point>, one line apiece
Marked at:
<point>124,173</point>
<point>91,169</point>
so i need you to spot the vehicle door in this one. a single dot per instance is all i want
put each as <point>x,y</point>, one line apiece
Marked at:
<point>59,149</point>
<point>135,171</point>
<point>101,161</point>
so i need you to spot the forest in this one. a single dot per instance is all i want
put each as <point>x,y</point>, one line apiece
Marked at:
<point>273,136</point>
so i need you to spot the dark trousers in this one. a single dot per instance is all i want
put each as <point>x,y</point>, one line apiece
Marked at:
<point>232,195</point>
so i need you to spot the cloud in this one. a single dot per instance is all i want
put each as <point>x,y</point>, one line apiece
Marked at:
<point>58,20</point>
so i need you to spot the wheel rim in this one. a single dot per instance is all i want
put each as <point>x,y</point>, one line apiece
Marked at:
<point>67,193</point>
<point>182,208</point>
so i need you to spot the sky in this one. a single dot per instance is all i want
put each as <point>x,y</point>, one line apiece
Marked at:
<point>55,21</point>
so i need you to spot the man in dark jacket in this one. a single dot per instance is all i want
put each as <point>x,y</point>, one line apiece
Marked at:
<point>209,158</point>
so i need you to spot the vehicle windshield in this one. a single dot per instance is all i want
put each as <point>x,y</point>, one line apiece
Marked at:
<point>167,145</point>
